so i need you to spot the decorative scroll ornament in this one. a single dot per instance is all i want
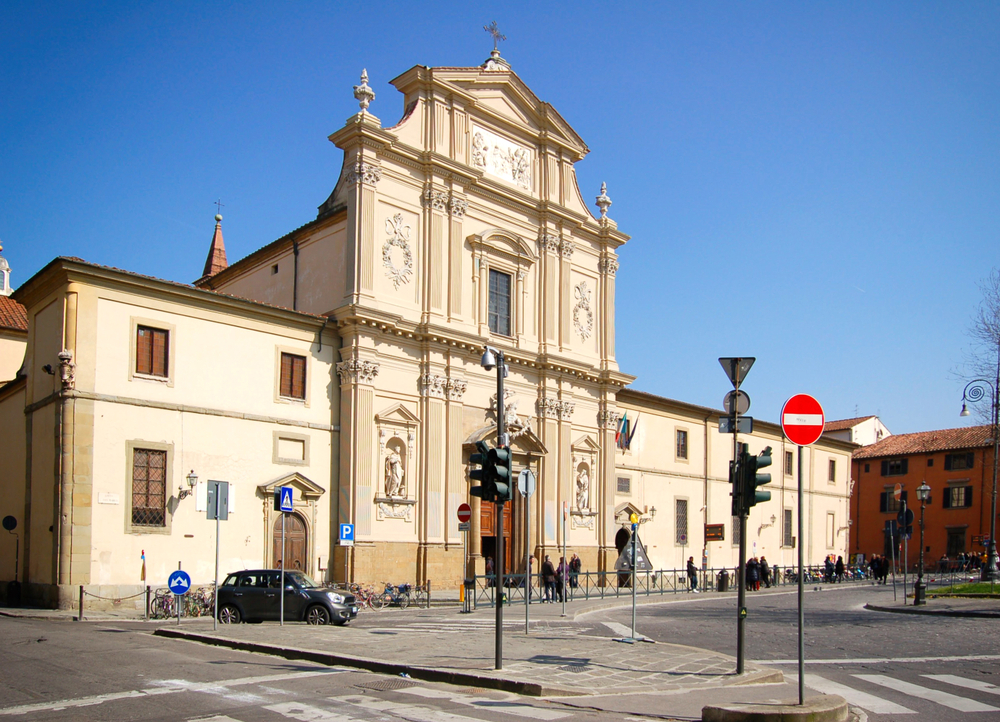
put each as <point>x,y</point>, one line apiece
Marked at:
<point>456,389</point>
<point>435,200</point>
<point>363,93</point>
<point>432,385</point>
<point>399,237</point>
<point>362,172</point>
<point>501,158</point>
<point>583,317</point>
<point>603,202</point>
<point>582,520</point>
<point>357,371</point>
<point>566,248</point>
<point>607,419</point>
<point>550,243</point>
<point>397,509</point>
<point>609,266</point>
<point>514,424</point>
<point>458,206</point>
<point>566,409</point>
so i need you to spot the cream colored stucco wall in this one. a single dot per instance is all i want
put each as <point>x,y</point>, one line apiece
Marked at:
<point>12,348</point>
<point>12,467</point>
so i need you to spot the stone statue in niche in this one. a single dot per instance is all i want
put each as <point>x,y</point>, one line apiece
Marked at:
<point>393,474</point>
<point>583,489</point>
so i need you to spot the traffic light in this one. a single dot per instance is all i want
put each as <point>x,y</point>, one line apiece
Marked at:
<point>483,475</point>
<point>736,482</point>
<point>752,478</point>
<point>500,469</point>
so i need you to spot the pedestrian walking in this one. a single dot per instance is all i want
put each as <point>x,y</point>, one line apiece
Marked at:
<point>765,572</point>
<point>753,574</point>
<point>562,578</point>
<point>575,565</point>
<point>489,572</point>
<point>828,570</point>
<point>549,578</point>
<point>839,568</point>
<point>692,571</point>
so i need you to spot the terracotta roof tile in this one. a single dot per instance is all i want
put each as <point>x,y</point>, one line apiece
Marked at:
<point>12,314</point>
<point>923,442</point>
<point>842,424</point>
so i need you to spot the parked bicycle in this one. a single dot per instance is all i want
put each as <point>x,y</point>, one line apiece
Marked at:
<point>399,596</point>
<point>367,597</point>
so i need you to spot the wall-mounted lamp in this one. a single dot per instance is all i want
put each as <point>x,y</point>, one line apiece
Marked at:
<point>762,527</point>
<point>192,480</point>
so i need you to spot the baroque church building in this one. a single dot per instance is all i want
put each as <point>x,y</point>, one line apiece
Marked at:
<point>359,384</point>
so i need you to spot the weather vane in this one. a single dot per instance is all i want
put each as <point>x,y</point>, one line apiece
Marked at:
<point>495,32</point>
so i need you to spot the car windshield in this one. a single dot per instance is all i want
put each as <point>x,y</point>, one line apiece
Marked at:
<point>302,580</point>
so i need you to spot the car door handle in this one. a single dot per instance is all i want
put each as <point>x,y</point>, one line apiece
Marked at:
<point>237,594</point>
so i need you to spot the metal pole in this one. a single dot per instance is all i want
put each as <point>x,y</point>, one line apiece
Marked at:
<point>282,590</point>
<point>501,441</point>
<point>177,601</point>
<point>565,591</point>
<point>527,555</point>
<point>802,586</point>
<point>919,586</point>
<point>741,571</point>
<point>906,550</point>
<point>634,528</point>
<point>215,601</point>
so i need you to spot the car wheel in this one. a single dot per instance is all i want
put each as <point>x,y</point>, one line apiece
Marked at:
<point>229,615</point>
<point>317,614</point>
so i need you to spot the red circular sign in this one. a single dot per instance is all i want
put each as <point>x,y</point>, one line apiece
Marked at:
<point>464,512</point>
<point>802,419</point>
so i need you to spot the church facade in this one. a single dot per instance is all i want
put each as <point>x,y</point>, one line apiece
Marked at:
<point>343,360</point>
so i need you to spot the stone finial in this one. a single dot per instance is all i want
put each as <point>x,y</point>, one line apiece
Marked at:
<point>363,93</point>
<point>5,289</point>
<point>603,201</point>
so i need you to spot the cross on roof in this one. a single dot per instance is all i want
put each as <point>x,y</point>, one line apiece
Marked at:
<point>218,205</point>
<point>495,32</point>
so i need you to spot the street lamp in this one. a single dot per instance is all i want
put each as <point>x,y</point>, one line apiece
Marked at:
<point>493,358</point>
<point>919,589</point>
<point>974,391</point>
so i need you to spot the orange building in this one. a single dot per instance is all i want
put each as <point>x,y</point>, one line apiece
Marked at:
<point>958,466</point>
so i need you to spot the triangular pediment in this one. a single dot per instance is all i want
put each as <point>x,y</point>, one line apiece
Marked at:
<point>623,512</point>
<point>526,442</point>
<point>399,414</point>
<point>586,444</point>
<point>308,489</point>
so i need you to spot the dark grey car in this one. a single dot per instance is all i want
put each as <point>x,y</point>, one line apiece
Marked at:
<point>253,595</point>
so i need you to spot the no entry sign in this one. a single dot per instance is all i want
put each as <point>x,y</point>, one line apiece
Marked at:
<point>464,512</point>
<point>802,419</point>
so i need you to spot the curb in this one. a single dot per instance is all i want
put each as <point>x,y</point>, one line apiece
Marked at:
<point>933,612</point>
<point>826,708</point>
<point>428,674</point>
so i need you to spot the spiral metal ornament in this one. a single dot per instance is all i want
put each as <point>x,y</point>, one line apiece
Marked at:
<point>976,390</point>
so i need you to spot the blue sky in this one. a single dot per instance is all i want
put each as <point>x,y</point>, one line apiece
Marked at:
<point>813,184</point>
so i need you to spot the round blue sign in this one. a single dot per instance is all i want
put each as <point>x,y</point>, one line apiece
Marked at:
<point>179,582</point>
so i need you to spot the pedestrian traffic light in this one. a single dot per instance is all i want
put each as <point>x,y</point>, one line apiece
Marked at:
<point>736,485</point>
<point>483,475</point>
<point>500,470</point>
<point>752,478</point>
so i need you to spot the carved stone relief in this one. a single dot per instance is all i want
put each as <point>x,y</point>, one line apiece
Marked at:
<point>357,371</point>
<point>432,385</point>
<point>362,172</point>
<point>435,200</point>
<point>549,243</point>
<point>501,158</point>
<point>458,206</point>
<point>608,266</point>
<point>456,389</point>
<point>514,424</point>
<point>607,419</point>
<point>583,316</point>
<point>554,408</point>
<point>399,267</point>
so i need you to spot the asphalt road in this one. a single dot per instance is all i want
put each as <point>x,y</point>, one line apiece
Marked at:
<point>893,666</point>
<point>56,670</point>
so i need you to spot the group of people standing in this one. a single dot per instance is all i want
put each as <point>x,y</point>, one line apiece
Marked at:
<point>553,577</point>
<point>758,571</point>
<point>879,567</point>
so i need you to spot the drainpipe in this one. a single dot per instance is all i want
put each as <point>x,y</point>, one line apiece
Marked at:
<point>295,275</point>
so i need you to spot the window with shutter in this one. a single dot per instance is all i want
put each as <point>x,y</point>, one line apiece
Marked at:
<point>957,462</point>
<point>151,351</point>
<point>293,376</point>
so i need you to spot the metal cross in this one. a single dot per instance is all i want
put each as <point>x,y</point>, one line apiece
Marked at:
<point>218,206</point>
<point>495,32</point>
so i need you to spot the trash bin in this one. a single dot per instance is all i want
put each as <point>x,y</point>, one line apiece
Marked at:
<point>723,581</point>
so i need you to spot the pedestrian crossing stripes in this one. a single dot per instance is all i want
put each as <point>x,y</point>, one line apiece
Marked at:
<point>514,708</point>
<point>877,704</point>
<point>362,708</point>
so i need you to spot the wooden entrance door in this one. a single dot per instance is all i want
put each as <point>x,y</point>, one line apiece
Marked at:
<point>488,532</point>
<point>296,547</point>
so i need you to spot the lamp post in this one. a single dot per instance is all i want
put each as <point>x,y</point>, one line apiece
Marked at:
<point>494,358</point>
<point>919,589</point>
<point>974,391</point>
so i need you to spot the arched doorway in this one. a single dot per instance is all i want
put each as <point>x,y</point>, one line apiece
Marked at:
<point>622,539</point>
<point>296,546</point>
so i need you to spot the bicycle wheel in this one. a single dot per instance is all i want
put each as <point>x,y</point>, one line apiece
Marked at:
<point>376,601</point>
<point>404,601</point>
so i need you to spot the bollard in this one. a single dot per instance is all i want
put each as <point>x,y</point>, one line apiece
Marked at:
<point>147,603</point>
<point>428,593</point>
<point>79,617</point>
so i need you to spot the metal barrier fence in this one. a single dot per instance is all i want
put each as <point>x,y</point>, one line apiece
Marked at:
<point>612,585</point>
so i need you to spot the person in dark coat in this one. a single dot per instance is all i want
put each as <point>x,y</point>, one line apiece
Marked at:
<point>753,574</point>
<point>765,572</point>
<point>549,579</point>
<point>692,571</point>
<point>839,569</point>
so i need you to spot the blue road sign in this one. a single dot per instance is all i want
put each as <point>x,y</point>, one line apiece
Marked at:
<point>286,498</point>
<point>346,535</point>
<point>179,582</point>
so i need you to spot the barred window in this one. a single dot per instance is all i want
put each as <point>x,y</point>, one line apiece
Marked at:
<point>624,485</point>
<point>681,521</point>
<point>149,487</point>
<point>682,444</point>
<point>833,471</point>
<point>789,463</point>
<point>293,376</point>
<point>499,310</point>
<point>787,536</point>
<point>151,351</point>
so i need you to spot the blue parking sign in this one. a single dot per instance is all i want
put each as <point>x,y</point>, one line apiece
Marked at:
<point>346,535</point>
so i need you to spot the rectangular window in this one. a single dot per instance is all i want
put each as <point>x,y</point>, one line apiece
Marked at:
<point>957,462</point>
<point>736,531</point>
<point>293,376</point>
<point>151,351</point>
<point>624,485</point>
<point>789,463</point>
<point>832,477</point>
<point>682,444</point>
<point>958,497</point>
<point>149,487</point>
<point>499,312</point>
<point>680,521</point>
<point>868,467</point>
<point>831,529</point>
<point>788,538</point>
<point>894,467</point>
<point>887,502</point>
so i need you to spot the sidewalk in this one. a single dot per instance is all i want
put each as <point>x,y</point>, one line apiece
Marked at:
<point>945,607</point>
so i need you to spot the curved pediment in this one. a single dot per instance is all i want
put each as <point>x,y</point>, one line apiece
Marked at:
<point>526,442</point>
<point>500,242</point>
